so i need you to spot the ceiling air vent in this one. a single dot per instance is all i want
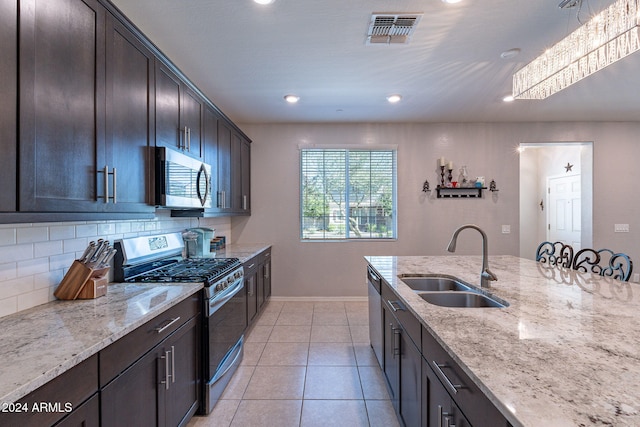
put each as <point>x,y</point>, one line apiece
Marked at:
<point>387,28</point>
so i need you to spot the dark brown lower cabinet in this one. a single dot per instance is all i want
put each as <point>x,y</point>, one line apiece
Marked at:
<point>161,388</point>
<point>257,282</point>
<point>61,401</point>
<point>402,367</point>
<point>439,409</point>
<point>86,415</point>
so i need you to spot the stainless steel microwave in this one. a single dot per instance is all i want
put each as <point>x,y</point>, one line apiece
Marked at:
<point>181,181</point>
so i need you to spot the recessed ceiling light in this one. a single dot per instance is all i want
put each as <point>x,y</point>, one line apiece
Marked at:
<point>264,1</point>
<point>292,99</point>
<point>394,98</point>
<point>508,98</point>
<point>451,1</point>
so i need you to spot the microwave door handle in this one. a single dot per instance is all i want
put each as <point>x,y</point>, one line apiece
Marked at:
<point>201,172</point>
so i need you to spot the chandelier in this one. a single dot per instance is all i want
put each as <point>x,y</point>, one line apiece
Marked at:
<point>607,37</point>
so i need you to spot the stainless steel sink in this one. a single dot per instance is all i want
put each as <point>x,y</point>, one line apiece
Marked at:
<point>435,284</point>
<point>461,299</point>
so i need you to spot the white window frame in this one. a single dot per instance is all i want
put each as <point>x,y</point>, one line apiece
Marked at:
<point>347,232</point>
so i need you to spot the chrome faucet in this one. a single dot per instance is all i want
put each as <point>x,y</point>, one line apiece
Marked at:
<point>485,275</point>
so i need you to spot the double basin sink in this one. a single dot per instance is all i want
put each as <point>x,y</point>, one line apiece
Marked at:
<point>450,292</point>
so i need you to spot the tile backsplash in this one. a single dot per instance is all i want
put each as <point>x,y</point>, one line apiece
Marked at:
<point>35,257</point>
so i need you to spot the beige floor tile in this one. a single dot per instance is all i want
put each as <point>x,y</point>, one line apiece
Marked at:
<point>273,306</point>
<point>359,333</point>
<point>238,383</point>
<point>259,333</point>
<point>295,318</point>
<point>268,413</point>
<point>330,318</point>
<point>357,306</point>
<point>365,355</point>
<point>268,318</point>
<point>334,413</point>
<point>358,317</point>
<point>290,333</point>
<point>276,382</point>
<point>330,333</point>
<point>297,306</point>
<point>332,382</point>
<point>328,306</point>
<point>284,354</point>
<point>373,383</point>
<point>331,354</point>
<point>221,416</point>
<point>381,413</point>
<point>252,353</point>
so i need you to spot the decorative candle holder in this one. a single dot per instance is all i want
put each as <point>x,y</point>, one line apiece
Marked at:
<point>442,176</point>
<point>450,177</point>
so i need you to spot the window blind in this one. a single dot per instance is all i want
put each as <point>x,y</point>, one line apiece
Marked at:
<point>348,194</point>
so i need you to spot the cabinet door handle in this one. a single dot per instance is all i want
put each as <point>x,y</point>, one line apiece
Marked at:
<point>251,266</point>
<point>244,202</point>
<point>395,343</point>
<point>438,368</point>
<point>441,415</point>
<point>106,173</point>
<point>173,364</point>
<point>267,271</point>
<point>189,140</point>
<point>166,369</point>
<point>114,186</point>
<point>106,184</point>
<point>164,328</point>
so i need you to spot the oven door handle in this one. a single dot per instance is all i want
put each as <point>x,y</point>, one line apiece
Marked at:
<point>218,301</point>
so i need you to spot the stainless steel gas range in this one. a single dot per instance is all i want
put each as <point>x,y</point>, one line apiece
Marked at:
<point>158,258</point>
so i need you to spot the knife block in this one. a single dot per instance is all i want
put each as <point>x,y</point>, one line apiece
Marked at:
<point>80,277</point>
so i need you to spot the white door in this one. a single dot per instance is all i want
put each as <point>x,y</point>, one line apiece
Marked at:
<point>564,218</point>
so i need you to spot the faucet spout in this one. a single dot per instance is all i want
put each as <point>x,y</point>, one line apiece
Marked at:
<point>486,275</point>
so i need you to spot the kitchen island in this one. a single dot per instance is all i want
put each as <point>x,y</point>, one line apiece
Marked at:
<point>565,352</point>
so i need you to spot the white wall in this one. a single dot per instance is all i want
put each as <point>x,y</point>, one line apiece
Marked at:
<point>35,257</point>
<point>425,224</point>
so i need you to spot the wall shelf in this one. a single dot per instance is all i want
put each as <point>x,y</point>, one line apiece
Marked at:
<point>460,192</point>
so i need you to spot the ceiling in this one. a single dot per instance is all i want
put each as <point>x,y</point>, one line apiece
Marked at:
<point>245,57</point>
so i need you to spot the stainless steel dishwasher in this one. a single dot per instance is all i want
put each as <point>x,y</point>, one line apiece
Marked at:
<point>375,313</point>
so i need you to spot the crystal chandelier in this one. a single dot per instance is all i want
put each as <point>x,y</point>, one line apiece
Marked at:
<point>607,37</point>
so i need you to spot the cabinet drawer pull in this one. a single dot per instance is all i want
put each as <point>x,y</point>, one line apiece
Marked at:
<point>251,266</point>
<point>438,368</point>
<point>393,307</point>
<point>164,328</point>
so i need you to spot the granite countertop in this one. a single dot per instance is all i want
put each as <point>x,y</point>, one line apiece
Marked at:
<point>565,352</point>
<point>43,342</point>
<point>243,251</point>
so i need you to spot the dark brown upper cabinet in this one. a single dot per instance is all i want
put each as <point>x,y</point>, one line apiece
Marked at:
<point>8,103</point>
<point>129,119</point>
<point>62,93</point>
<point>178,113</point>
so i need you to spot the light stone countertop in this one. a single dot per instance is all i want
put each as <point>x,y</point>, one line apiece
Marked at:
<point>243,251</point>
<point>43,342</point>
<point>565,352</point>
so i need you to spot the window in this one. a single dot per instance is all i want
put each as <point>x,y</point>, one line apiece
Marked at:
<point>347,194</point>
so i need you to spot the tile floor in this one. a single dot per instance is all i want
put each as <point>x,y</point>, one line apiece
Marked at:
<point>306,364</point>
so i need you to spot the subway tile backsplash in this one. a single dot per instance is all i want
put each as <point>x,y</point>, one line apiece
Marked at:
<point>35,257</point>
